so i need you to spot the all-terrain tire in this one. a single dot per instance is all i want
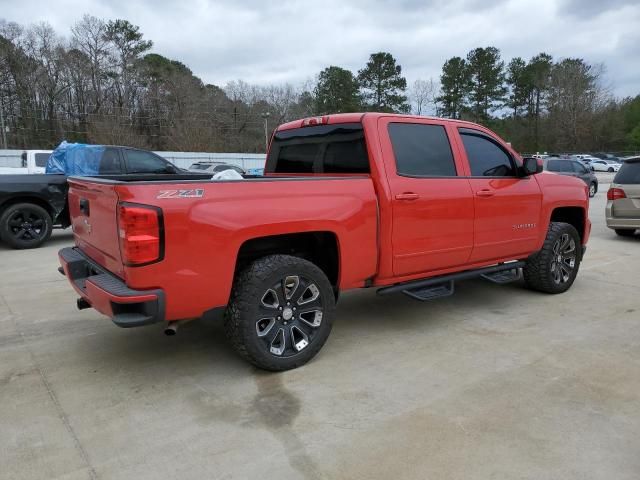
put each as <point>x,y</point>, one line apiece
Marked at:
<point>243,317</point>
<point>541,270</point>
<point>25,225</point>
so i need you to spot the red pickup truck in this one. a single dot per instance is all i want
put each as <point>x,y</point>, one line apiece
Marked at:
<point>394,202</point>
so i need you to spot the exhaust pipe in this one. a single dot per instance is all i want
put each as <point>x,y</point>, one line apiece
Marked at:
<point>81,303</point>
<point>172,328</point>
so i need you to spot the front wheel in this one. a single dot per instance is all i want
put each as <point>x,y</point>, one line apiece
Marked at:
<point>610,170</point>
<point>280,312</point>
<point>592,189</point>
<point>555,267</point>
<point>25,225</point>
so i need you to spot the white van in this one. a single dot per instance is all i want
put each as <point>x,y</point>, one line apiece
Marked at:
<point>29,161</point>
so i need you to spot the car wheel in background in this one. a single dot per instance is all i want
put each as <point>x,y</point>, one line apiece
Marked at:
<point>593,189</point>
<point>623,232</point>
<point>554,268</point>
<point>610,170</point>
<point>280,312</point>
<point>25,225</point>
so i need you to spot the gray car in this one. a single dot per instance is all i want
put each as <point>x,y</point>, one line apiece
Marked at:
<point>623,199</point>
<point>573,168</point>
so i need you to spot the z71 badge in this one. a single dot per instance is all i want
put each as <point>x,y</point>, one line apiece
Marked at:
<point>195,193</point>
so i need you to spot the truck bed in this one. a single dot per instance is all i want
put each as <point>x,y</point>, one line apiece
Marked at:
<point>206,223</point>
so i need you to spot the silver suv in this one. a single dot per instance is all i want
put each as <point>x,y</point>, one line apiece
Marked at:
<point>623,199</point>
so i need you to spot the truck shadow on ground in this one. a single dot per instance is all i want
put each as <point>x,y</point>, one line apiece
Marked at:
<point>200,347</point>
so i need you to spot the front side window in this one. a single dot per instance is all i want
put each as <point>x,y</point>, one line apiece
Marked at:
<point>486,158</point>
<point>422,150</point>
<point>579,168</point>
<point>139,161</point>
<point>41,159</point>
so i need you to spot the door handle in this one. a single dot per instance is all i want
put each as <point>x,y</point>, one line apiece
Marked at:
<point>485,193</point>
<point>407,196</point>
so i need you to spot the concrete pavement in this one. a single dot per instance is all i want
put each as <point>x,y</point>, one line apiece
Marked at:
<point>494,382</point>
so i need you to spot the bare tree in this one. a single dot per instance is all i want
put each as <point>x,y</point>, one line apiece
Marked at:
<point>422,96</point>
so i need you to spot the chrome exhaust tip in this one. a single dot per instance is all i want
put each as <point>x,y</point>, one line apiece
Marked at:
<point>172,328</point>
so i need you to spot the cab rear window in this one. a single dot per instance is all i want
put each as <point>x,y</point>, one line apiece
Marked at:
<point>338,148</point>
<point>629,173</point>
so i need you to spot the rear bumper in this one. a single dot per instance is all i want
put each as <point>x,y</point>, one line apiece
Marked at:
<point>620,222</point>
<point>108,294</point>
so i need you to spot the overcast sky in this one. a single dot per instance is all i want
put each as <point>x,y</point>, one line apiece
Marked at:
<point>292,40</point>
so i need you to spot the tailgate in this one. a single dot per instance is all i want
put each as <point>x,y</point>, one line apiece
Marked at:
<point>93,208</point>
<point>628,207</point>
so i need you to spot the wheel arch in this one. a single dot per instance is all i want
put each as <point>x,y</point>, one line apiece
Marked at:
<point>572,215</point>
<point>322,248</point>
<point>30,199</point>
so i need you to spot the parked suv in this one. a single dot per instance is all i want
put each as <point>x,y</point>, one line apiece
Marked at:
<point>573,168</point>
<point>623,199</point>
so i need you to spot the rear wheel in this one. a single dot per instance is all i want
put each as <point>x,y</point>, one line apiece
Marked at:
<point>25,225</point>
<point>280,312</point>
<point>554,268</point>
<point>623,232</point>
<point>593,188</point>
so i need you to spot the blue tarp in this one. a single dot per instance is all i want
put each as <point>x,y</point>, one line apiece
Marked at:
<point>75,159</point>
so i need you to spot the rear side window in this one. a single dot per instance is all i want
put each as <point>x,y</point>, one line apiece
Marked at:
<point>110,162</point>
<point>559,166</point>
<point>629,173</point>
<point>486,158</point>
<point>339,148</point>
<point>421,150</point>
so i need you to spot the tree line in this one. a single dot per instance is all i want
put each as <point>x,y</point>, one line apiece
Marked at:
<point>103,85</point>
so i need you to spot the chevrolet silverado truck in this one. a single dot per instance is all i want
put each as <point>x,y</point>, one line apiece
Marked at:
<point>393,202</point>
<point>31,205</point>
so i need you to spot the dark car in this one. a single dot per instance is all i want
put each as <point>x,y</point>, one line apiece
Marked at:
<point>573,168</point>
<point>31,205</point>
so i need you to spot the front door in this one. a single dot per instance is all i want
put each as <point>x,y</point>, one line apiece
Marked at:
<point>507,206</point>
<point>432,207</point>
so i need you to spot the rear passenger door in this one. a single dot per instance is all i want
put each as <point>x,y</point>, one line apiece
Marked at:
<point>507,206</point>
<point>432,207</point>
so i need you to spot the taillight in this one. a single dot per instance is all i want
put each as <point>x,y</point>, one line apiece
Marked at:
<point>308,122</point>
<point>615,194</point>
<point>140,232</point>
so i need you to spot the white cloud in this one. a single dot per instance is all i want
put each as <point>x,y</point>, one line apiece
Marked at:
<point>292,40</point>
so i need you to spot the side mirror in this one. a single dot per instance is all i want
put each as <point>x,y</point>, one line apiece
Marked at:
<point>531,166</point>
<point>171,169</point>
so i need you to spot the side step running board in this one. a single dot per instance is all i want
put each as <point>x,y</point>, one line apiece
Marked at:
<point>503,276</point>
<point>431,293</point>
<point>443,285</point>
